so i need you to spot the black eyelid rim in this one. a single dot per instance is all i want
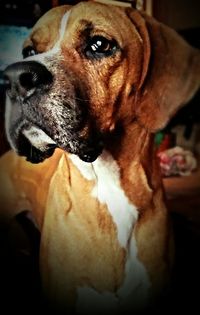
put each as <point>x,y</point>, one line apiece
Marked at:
<point>99,55</point>
<point>26,49</point>
<point>110,40</point>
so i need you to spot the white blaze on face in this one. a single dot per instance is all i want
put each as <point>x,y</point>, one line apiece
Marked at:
<point>56,48</point>
<point>107,190</point>
<point>63,26</point>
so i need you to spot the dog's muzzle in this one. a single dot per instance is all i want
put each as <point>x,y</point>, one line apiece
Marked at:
<point>22,80</point>
<point>36,125</point>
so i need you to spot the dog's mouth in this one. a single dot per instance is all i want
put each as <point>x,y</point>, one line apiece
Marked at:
<point>36,146</point>
<point>33,154</point>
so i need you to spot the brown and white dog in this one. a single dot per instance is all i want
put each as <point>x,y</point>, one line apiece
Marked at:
<point>95,84</point>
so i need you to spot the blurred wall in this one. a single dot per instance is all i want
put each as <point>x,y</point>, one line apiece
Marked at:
<point>179,14</point>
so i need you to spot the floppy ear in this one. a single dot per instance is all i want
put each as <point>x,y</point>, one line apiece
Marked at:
<point>170,76</point>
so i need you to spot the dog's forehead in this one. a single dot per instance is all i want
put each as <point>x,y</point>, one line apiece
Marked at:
<point>47,30</point>
<point>97,13</point>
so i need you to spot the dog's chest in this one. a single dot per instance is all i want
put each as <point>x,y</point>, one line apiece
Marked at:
<point>107,190</point>
<point>95,250</point>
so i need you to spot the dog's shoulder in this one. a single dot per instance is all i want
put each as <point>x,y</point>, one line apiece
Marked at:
<point>18,168</point>
<point>24,185</point>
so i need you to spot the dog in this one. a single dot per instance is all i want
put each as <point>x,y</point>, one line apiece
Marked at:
<point>97,81</point>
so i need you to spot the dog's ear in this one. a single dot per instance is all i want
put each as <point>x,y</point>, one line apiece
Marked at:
<point>171,72</point>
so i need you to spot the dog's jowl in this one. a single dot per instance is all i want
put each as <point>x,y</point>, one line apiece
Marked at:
<point>96,82</point>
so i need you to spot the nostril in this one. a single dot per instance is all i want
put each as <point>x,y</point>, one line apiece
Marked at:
<point>28,80</point>
<point>23,79</point>
<point>33,79</point>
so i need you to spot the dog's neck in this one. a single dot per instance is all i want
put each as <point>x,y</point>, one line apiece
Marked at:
<point>134,152</point>
<point>127,165</point>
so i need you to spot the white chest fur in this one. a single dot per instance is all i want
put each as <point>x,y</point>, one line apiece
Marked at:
<point>107,190</point>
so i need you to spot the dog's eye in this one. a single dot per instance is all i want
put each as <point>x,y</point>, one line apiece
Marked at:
<point>28,51</point>
<point>99,47</point>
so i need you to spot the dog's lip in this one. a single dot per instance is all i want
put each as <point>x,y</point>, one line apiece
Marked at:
<point>44,145</point>
<point>37,156</point>
<point>38,138</point>
<point>33,154</point>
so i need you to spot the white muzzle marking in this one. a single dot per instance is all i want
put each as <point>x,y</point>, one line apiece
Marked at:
<point>38,138</point>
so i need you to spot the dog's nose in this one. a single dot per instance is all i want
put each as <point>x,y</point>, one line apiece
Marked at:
<point>23,78</point>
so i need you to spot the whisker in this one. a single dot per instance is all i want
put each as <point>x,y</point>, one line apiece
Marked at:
<point>81,99</point>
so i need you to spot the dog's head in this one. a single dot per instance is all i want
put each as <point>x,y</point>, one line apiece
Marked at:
<point>88,69</point>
